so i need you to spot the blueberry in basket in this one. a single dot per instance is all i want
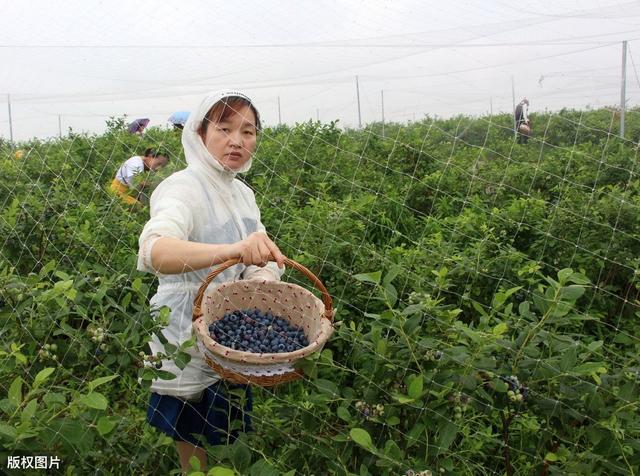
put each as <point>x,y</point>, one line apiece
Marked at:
<point>251,330</point>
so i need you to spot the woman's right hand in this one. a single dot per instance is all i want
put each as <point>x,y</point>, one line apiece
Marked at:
<point>258,249</point>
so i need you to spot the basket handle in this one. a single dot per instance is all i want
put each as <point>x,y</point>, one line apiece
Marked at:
<point>326,298</point>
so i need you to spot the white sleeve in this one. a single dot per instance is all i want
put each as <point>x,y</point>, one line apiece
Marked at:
<point>270,272</point>
<point>128,170</point>
<point>525,113</point>
<point>171,216</point>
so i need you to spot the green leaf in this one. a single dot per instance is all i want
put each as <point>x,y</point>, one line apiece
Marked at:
<point>106,424</point>
<point>446,435</point>
<point>564,275</point>
<point>170,348</point>
<point>42,376</point>
<point>146,373</point>
<point>7,406</point>
<point>402,399</point>
<point>62,275</point>
<point>188,343</point>
<point>69,430</point>
<point>327,387</point>
<point>182,359</point>
<point>20,358</point>
<point>373,278</point>
<point>308,366</point>
<point>362,438</point>
<point>29,410</point>
<point>263,468</point>
<point>393,420</point>
<point>500,329</point>
<point>390,294</point>
<point>415,387</point>
<point>579,278</point>
<point>8,431</point>
<point>71,294</point>
<point>136,285</point>
<point>164,375</point>
<point>101,380</point>
<point>499,386</point>
<point>589,368</point>
<point>412,324</point>
<point>54,398</point>
<point>569,359</point>
<point>381,347</point>
<point>195,464</point>
<point>394,271</point>
<point>240,456</point>
<point>551,457</point>
<point>327,356</point>
<point>94,400</point>
<point>500,297</point>
<point>15,391</point>
<point>414,435</point>
<point>393,451</point>
<point>623,339</point>
<point>46,269</point>
<point>411,309</point>
<point>595,345</point>
<point>343,414</point>
<point>571,293</point>
<point>478,307</point>
<point>221,471</point>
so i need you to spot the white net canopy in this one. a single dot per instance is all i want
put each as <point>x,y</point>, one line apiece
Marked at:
<point>487,287</point>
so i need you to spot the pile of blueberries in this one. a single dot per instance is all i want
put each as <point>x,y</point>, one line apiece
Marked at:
<point>252,330</point>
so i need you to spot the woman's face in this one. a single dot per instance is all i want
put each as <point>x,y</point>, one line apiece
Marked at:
<point>232,140</point>
<point>158,162</point>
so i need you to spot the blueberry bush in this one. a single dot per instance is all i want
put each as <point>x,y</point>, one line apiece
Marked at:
<point>487,299</point>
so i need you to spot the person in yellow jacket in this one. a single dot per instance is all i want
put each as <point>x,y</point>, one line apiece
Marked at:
<point>122,184</point>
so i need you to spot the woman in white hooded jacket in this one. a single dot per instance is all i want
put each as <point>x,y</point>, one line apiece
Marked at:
<point>202,216</point>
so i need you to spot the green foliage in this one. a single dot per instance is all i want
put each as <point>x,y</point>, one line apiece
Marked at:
<point>487,297</point>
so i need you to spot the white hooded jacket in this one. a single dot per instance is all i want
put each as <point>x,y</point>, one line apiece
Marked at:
<point>203,203</point>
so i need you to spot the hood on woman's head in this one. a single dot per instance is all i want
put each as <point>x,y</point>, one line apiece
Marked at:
<point>216,106</point>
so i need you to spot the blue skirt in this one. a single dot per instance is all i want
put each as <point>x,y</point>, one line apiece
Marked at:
<point>218,416</point>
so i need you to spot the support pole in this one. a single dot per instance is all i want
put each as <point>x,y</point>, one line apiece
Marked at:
<point>59,126</point>
<point>623,88</point>
<point>10,119</point>
<point>513,102</point>
<point>279,115</point>
<point>382,102</point>
<point>358,97</point>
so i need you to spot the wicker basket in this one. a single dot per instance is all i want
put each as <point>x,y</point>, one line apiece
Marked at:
<point>524,129</point>
<point>291,302</point>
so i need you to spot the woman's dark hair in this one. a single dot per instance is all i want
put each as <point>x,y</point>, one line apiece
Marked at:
<point>225,108</point>
<point>151,152</point>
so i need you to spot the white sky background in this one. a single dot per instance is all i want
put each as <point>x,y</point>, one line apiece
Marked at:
<point>88,60</point>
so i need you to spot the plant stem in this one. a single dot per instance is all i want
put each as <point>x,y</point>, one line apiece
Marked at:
<point>547,463</point>
<point>506,421</point>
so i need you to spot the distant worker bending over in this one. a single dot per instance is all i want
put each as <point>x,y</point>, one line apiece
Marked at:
<point>122,184</point>
<point>523,124</point>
